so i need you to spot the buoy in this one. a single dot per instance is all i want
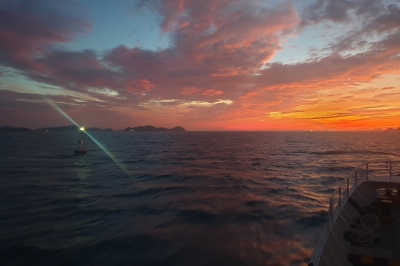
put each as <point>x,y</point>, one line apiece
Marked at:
<point>81,149</point>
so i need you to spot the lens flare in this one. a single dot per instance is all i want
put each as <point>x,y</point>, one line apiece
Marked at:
<point>52,104</point>
<point>120,165</point>
<point>104,149</point>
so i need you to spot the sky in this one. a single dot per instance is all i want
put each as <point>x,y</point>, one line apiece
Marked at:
<point>202,65</point>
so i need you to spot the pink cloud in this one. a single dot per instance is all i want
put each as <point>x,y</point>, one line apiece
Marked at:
<point>212,92</point>
<point>226,72</point>
<point>140,86</point>
<point>189,91</point>
<point>206,47</point>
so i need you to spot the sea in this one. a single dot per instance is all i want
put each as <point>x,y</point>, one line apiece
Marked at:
<point>174,198</point>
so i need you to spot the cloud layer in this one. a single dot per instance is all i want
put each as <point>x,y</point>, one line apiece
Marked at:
<point>217,72</point>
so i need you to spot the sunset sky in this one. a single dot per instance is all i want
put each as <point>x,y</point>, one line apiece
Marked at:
<point>201,64</point>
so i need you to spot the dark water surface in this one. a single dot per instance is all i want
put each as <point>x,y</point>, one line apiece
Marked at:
<point>181,198</point>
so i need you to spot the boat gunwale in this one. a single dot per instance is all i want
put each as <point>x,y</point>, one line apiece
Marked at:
<point>335,209</point>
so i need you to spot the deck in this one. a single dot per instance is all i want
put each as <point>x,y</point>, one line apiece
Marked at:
<point>351,201</point>
<point>385,249</point>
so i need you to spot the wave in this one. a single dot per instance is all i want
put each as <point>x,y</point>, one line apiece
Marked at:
<point>197,216</point>
<point>201,199</point>
<point>316,219</point>
<point>255,215</point>
<point>253,203</point>
<point>340,152</point>
<point>338,168</point>
<point>148,192</point>
<point>129,250</point>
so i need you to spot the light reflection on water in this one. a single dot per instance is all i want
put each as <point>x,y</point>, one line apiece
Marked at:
<point>191,198</point>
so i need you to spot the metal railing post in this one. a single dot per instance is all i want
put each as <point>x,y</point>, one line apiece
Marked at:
<point>339,192</point>
<point>355,177</point>
<point>329,213</point>
<point>329,216</point>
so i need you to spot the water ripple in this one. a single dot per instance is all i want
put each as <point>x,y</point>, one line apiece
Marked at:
<point>191,198</point>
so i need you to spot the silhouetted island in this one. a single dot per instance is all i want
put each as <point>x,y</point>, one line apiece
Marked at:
<point>99,129</point>
<point>72,128</point>
<point>14,129</point>
<point>393,129</point>
<point>151,128</point>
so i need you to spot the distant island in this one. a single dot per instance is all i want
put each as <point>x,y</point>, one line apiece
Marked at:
<point>151,128</point>
<point>58,129</point>
<point>14,129</point>
<point>73,128</point>
<point>393,129</point>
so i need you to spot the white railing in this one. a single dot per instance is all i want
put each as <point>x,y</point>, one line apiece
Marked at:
<point>364,171</point>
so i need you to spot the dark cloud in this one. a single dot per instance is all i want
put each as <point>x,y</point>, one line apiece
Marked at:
<point>28,28</point>
<point>32,110</point>
<point>73,70</point>
<point>340,11</point>
<point>366,21</point>
<point>336,11</point>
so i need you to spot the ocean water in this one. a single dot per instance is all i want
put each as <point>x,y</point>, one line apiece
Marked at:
<point>174,198</point>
